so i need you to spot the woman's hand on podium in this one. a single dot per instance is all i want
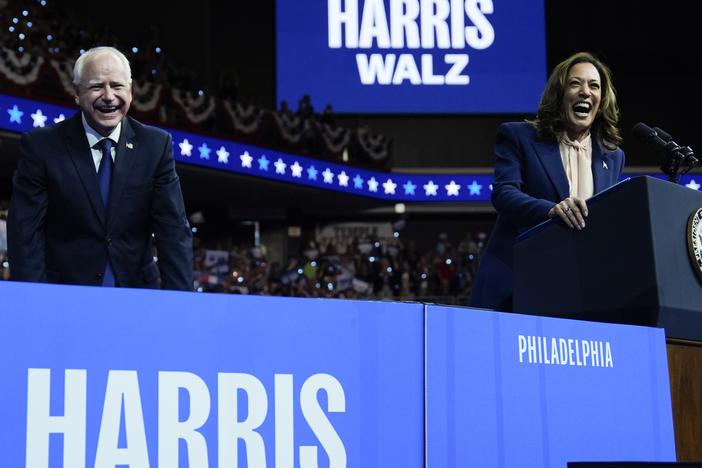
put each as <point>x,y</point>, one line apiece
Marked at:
<point>572,211</point>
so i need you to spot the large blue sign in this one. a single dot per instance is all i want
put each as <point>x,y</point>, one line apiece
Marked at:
<point>429,56</point>
<point>114,377</point>
<point>517,391</point>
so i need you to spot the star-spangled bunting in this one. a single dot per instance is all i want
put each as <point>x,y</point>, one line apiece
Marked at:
<point>246,159</point>
<point>20,115</point>
<point>223,155</point>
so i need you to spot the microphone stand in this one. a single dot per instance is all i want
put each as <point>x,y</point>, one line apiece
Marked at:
<point>671,164</point>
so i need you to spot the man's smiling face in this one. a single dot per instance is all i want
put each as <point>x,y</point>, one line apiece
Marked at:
<point>104,92</point>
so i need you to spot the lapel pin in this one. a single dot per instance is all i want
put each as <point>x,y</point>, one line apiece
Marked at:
<point>130,146</point>
<point>604,164</point>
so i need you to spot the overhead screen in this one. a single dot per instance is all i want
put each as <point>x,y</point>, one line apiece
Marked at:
<point>412,56</point>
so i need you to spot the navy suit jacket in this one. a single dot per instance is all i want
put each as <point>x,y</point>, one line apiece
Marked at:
<point>59,230</point>
<point>529,181</point>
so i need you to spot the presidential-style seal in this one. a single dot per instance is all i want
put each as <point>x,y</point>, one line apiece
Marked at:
<point>694,240</point>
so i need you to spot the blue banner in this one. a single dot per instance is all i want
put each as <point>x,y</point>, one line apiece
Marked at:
<point>517,391</point>
<point>116,377</point>
<point>20,115</point>
<point>104,377</point>
<point>409,56</point>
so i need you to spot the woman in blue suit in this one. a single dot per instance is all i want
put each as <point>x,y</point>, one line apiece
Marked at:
<point>549,166</point>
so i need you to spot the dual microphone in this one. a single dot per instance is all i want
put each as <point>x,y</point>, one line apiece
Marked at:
<point>675,155</point>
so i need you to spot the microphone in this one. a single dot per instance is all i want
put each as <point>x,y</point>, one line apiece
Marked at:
<point>649,136</point>
<point>663,134</point>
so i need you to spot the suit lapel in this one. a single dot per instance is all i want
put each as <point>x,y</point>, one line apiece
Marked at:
<point>77,145</point>
<point>601,167</point>
<point>125,155</point>
<point>550,157</point>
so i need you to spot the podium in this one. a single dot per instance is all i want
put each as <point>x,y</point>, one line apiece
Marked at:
<point>629,265</point>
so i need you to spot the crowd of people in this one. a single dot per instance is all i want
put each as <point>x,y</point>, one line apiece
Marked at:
<point>38,44</point>
<point>353,268</point>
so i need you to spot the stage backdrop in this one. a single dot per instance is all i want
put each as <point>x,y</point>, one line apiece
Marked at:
<point>409,56</point>
<point>116,377</point>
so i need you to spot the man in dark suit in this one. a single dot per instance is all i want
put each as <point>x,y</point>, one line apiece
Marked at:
<point>92,191</point>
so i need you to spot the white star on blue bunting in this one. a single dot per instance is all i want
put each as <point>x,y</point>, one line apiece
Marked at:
<point>185,148</point>
<point>296,170</point>
<point>693,185</point>
<point>452,189</point>
<point>280,166</point>
<point>372,185</point>
<point>222,155</point>
<point>430,188</point>
<point>389,186</point>
<point>343,179</point>
<point>38,119</point>
<point>246,159</point>
<point>328,176</point>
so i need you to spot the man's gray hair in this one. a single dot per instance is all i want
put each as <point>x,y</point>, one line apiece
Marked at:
<point>97,52</point>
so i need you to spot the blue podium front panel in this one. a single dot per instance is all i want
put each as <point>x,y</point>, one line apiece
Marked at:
<point>518,391</point>
<point>114,377</point>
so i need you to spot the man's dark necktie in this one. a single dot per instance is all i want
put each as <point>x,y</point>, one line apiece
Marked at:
<point>105,179</point>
